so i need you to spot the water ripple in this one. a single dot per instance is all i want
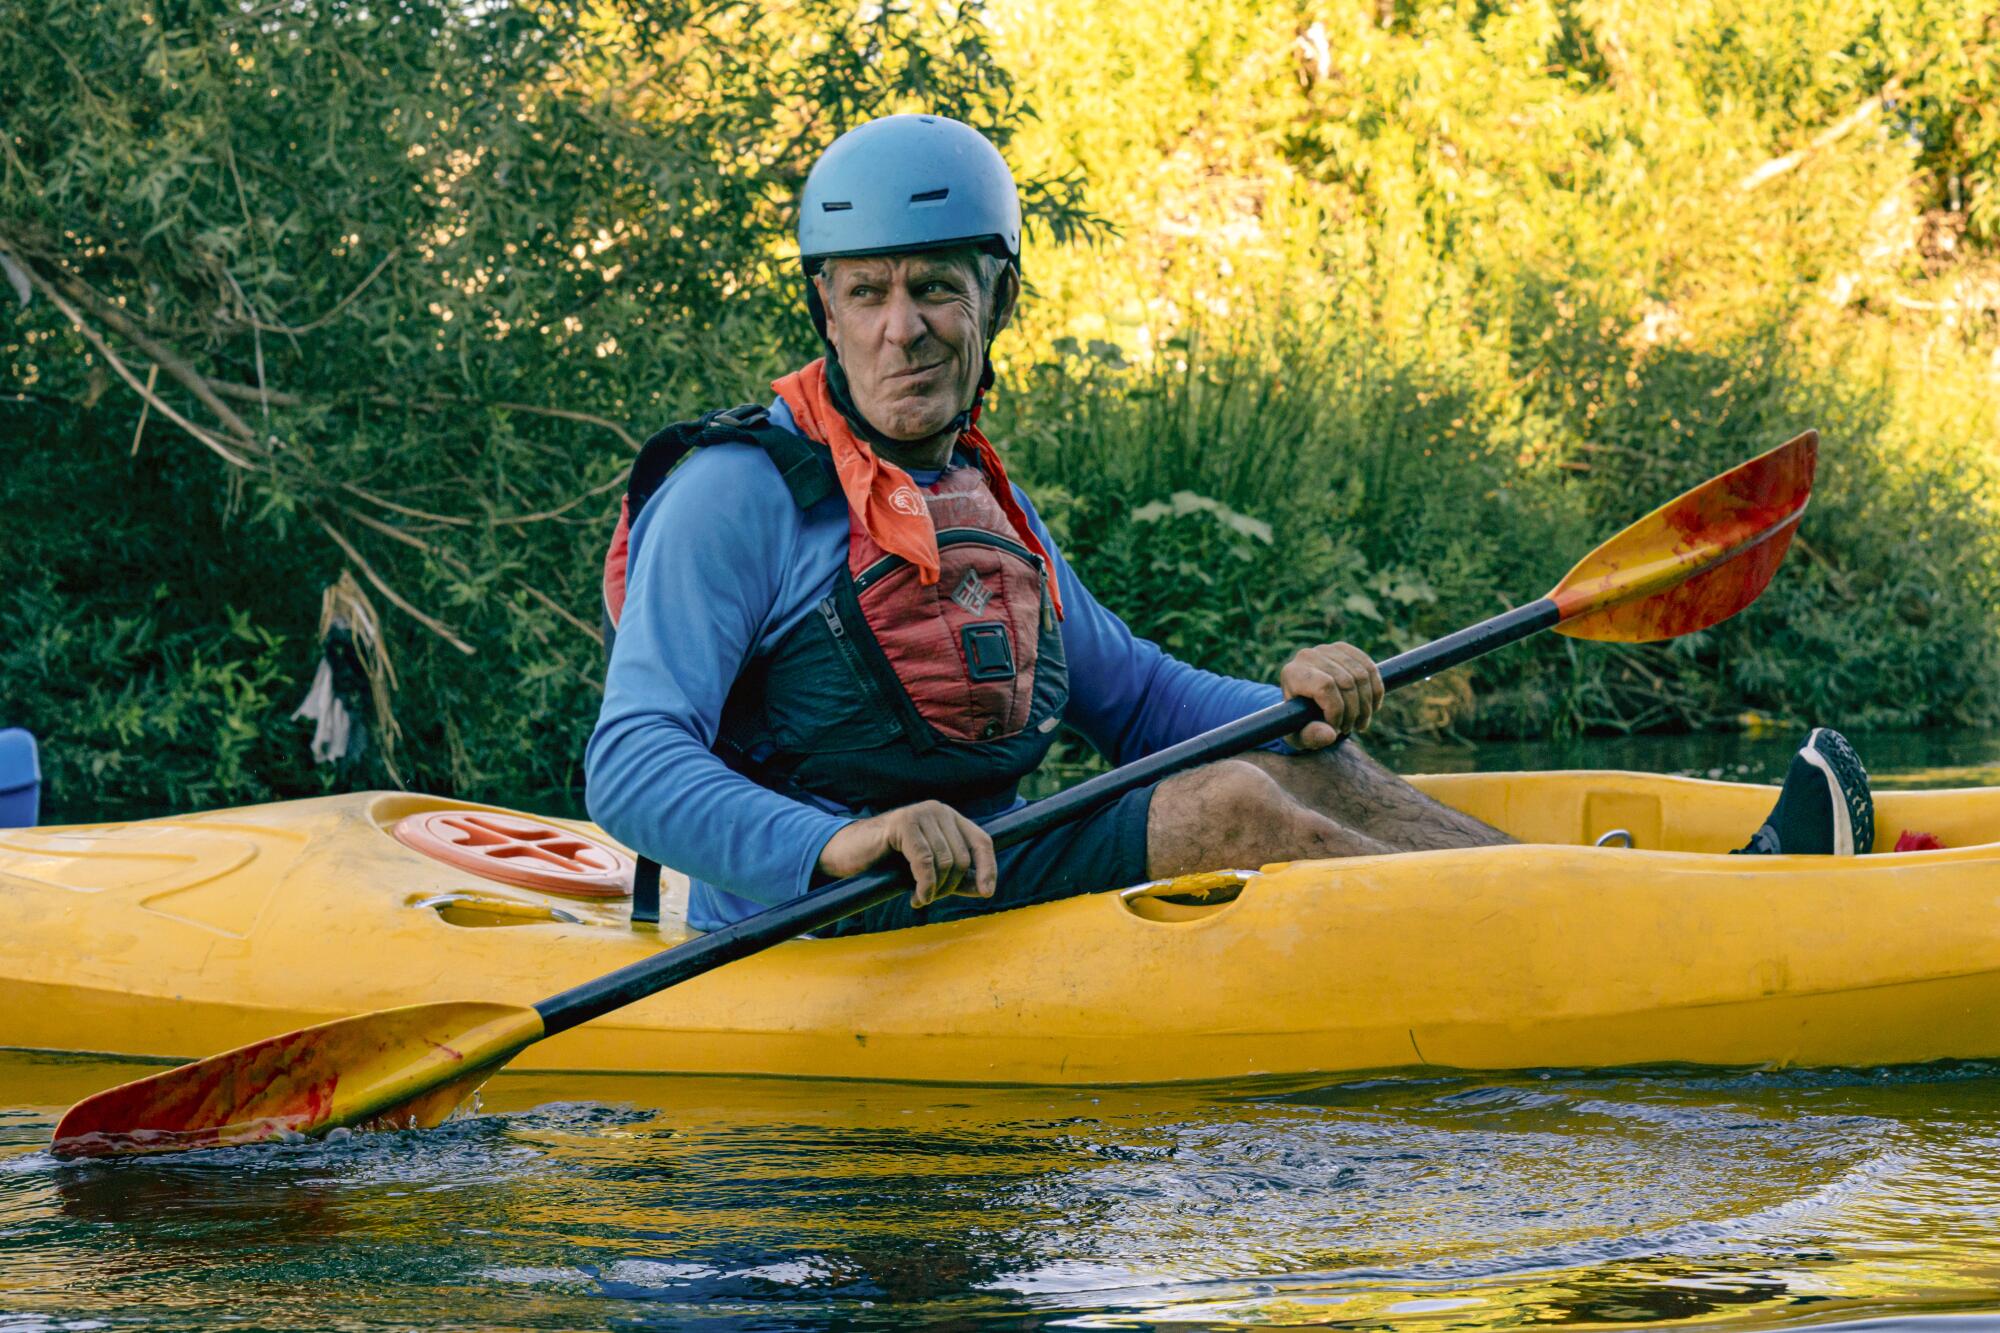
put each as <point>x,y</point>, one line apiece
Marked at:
<point>1665,1197</point>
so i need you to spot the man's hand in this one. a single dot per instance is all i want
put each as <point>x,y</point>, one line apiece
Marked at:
<point>947,852</point>
<point>1343,681</point>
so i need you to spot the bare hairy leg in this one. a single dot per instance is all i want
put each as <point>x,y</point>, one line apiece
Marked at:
<point>1343,783</point>
<point>1236,814</point>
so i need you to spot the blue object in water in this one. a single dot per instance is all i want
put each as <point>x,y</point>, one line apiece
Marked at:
<point>20,779</point>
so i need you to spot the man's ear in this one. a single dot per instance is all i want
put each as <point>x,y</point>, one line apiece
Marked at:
<point>1006,295</point>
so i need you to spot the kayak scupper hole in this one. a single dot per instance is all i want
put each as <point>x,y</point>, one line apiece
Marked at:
<point>1186,898</point>
<point>475,910</point>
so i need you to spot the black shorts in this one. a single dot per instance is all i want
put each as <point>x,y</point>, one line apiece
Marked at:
<point>1104,850</point>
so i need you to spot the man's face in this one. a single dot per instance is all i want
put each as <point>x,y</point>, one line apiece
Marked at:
<point>909,330</point>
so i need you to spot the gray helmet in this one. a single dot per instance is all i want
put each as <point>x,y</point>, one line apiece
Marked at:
<point>906,183</point>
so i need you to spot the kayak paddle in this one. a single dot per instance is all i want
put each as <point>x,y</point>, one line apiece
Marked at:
<point>1693,562</point>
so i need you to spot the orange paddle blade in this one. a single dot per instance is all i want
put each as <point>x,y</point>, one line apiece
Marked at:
<point>1696,560</point>
<point>396,1068</point>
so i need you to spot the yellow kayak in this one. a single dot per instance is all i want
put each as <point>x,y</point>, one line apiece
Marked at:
<point>176,938</point>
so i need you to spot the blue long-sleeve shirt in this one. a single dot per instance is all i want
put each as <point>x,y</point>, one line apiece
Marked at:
<point>722,565</point>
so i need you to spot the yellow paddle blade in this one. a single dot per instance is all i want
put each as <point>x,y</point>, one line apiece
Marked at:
<point>1731,532</point>
<point>396,1068</point>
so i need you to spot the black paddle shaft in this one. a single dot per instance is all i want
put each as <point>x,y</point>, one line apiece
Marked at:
<point>823,907</point>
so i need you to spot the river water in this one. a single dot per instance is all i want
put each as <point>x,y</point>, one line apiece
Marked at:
<point>1752,1199</point>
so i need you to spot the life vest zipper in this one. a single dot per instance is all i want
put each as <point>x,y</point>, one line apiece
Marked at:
<point>849,651</point>
<point>950,537</point>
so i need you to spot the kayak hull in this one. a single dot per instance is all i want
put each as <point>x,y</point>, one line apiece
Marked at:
<point>173,939</point>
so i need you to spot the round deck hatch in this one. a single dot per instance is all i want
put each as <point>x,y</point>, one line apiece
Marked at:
<point>518,850</point>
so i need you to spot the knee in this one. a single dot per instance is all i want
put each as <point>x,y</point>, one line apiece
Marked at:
<point>1243,794</point>
<point>1234,814</point>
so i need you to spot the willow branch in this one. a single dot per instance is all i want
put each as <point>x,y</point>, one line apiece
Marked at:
<point>201,433</point>
<point>514,520</point>
<point>410,539</point>
<point>596,635</point>
<point>430,623</point>
<point>1833,573</point>
<point>1825,139</point>
<point>568,414</point>
<point>246,393</point>
<point>145,409</point>
<point>250,320</point>
<point>170,361</point>
<point>405,510</point>
<point>257,342</point>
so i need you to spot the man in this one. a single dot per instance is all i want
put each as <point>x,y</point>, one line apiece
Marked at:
<point>843,637</point>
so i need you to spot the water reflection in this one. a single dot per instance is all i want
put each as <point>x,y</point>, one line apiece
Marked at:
<point>1573,1199</point>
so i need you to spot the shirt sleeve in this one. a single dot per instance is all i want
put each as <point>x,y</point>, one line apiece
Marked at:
<point>705,576</point>
<point>1128,697</point>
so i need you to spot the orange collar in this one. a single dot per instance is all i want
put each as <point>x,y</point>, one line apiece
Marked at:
<point>880,495</point>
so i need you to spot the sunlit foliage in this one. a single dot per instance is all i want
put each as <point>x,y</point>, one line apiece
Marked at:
<point>1447,293</point>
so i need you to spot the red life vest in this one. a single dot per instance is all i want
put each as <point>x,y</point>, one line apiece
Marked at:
<point>895,689</point>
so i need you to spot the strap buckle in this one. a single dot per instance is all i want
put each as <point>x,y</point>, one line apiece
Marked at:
<point>746,418</point>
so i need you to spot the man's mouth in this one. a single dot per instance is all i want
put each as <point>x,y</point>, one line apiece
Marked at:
<point>915,372</point>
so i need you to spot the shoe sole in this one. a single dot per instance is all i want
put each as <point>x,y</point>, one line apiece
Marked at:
<point>1842,769</point>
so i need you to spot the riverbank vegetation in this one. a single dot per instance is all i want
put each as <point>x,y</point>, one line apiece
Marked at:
<point>1355,320</point>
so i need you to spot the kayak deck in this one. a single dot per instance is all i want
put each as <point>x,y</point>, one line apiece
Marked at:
<point>179,937</point>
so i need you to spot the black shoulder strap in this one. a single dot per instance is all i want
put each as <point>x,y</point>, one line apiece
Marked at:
<point>646,892</point>
<point>806,467</point>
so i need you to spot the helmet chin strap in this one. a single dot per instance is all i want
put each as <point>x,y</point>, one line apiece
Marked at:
<point>843,398</point>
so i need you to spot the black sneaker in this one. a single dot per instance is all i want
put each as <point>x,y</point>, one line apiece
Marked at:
<point>1824,808</point>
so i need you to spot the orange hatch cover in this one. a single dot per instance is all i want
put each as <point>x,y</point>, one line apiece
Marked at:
<point>515,849</point>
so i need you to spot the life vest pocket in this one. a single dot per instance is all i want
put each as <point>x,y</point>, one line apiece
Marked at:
<point>961,652</point>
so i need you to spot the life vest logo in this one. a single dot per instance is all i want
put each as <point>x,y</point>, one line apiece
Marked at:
<point>906,501</point>
<point>971,593</point>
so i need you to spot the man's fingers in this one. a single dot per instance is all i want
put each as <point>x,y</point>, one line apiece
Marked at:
<point>1361,700</point>
<point>1317,736</point>
<point>984,861</point>
<point>923,861</point>
<point>947,852</point>
<point>1302,679</point>
<point>1350,700</point>
<point>957,862</point>
<point>1345,684</point>
<point>1368,679</point>
<point>1316,684</point>
<point>949,868</point>
<point>1337,694</point>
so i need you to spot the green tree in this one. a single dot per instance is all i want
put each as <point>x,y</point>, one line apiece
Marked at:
<point>399,287</point>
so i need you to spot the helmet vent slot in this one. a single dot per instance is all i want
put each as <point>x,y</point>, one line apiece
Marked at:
<point>835,206</point>
<point>931,196</point>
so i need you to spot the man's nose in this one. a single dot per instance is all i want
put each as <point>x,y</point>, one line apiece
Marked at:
<point>905,326</point>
